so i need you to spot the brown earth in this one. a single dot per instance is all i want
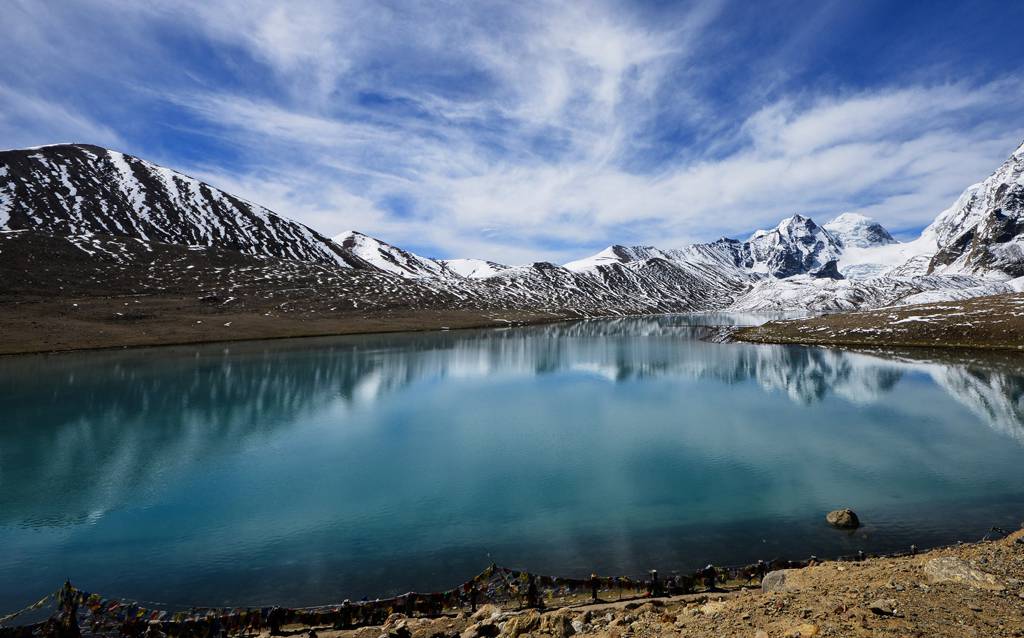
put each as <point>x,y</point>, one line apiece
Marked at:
<point>994,322</point>
<point>76,323</point>
<point>906,596</point>
<point>107,292</point>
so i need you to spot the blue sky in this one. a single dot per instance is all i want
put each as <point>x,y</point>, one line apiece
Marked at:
<point>534,130</point>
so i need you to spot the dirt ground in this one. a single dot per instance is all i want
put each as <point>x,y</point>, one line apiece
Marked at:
<point>962,591</point>
<point>52,325</point>
<point>994,322</point>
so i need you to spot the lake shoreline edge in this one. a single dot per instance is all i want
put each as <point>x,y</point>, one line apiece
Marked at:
<point>941,591</point>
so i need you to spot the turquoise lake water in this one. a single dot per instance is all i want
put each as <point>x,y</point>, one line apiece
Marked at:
<point>308,471</point>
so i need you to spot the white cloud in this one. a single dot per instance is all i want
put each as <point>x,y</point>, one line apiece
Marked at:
<point>507,128</point>
<point>820,159</point>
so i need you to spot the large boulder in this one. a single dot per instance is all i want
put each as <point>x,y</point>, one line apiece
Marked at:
<point>843,519</point>
<point>949,569</point>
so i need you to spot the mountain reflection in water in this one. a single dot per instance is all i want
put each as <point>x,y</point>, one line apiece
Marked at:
<point>93,443</point>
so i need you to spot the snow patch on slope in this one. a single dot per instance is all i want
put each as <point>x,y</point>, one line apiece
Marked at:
<point>386,257</point>
<point>473,268</point>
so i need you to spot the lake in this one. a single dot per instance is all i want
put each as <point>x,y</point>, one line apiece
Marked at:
<point>308,471</point>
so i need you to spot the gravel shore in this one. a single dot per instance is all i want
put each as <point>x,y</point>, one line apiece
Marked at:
<point>966,590</point>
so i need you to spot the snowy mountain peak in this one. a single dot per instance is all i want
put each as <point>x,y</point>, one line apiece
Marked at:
<point>382,255</point>
<point>474,268</point>
<point>80,189</point>
<point>615,254</point>
<point>796,246</point>
<point>857,231</point>
<point>983,232</point>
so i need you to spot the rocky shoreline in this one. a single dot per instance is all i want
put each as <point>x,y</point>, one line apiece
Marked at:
<point>964,590</point>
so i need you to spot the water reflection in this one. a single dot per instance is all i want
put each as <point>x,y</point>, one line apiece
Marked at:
<point>411,451</point>
<point>121,418</point>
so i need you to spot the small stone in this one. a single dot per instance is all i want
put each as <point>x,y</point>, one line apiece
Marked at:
<point>761,633</point>
<point>712,608</point>
<point>883,607</point>
<point>843,519</point>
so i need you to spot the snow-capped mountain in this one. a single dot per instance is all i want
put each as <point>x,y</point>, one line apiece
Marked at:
<point>983,232</point>
<point>857,231</point>
<point>78,189</point>
<point>616,255</point>
<point>796,246</point>
<point>973,248</point>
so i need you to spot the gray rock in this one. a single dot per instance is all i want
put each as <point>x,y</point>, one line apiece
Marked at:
<point>883,607</point>
<point>778,580</point>
<point>843,519</point>
<point>949,569</point>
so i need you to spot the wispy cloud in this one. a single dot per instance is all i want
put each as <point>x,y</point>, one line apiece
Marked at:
<point>518,131</point>
<point>23,115</point>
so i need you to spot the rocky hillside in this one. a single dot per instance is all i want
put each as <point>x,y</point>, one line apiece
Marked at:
<point>75,189</point>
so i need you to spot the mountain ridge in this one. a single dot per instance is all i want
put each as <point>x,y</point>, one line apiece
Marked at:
<point>974,247</point>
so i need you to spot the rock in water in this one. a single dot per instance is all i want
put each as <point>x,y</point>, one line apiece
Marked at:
<point>843,519</point>
<point>954,570</point>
